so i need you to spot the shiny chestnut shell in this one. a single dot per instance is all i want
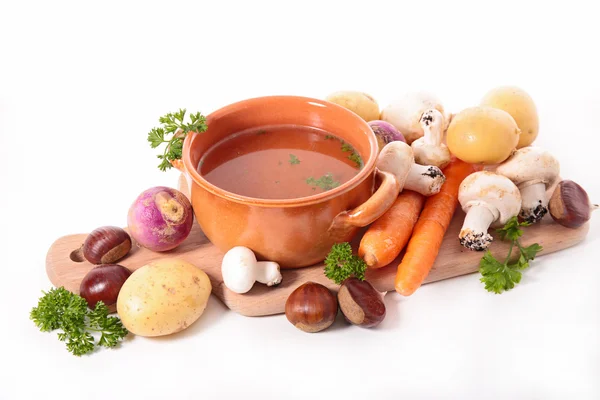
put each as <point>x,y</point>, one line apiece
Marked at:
<point>103,283</point>
<point>570,205</point>
<point>106,245</point>
<point>360,303</point>
<point>311,307</point>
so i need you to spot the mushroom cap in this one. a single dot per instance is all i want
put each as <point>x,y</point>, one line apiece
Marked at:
<point>237,268</point>
<point>496,192</point>
<point>530,165</point>
<point>405,113</point>
<point>396,158</point>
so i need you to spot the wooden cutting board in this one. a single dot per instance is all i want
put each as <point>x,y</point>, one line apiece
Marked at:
<point>64,268</point>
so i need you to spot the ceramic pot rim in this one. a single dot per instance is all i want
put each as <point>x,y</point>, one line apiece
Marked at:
<point>368,168</point>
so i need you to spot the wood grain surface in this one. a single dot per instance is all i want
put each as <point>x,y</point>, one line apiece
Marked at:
<point>453,260</point>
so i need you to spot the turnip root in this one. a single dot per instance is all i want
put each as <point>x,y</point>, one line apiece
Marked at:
<point>160,218</point>
<point>385,133</point>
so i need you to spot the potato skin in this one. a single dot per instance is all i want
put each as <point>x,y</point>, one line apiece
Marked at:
<point>520,106</point>
<point>163,297</point>
<point>482,135</point>
<point>359,103</point>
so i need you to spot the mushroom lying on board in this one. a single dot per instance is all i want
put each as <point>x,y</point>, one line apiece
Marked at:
<point>533,170</point>
<point>429,150</point>
<point>240,270</point>
<point>397,158</point>
<point>488,199</point>
<point>405,113</point>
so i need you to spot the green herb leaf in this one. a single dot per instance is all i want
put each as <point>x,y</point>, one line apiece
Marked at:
<point>294,160</point>
<point>326,182</point>
<point>173,124</point>
<point>61,309</point>
<point>502,276</point>
<point>156,137</point>
<point>511,229</point>
<point>341,264</point>
<point>489,265</point>
<point>347,147</point>
<point>496,276</point>
<point>354,156</point>
<point>356,159</point>
<point>530,252</point>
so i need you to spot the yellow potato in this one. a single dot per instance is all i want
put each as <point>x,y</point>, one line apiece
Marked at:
<point>359,103</point>
<point>482,135</point>
<point>520,106</point>
<point>163,297</point>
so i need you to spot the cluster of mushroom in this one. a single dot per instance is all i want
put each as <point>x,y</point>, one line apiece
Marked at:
<point>421,119</point>
<point>410,133</point>
<point>417,118</point>
<point>517,187</point>
<point>497,134</point>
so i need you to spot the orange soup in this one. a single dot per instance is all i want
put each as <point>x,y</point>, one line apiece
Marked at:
<point>280,162</point>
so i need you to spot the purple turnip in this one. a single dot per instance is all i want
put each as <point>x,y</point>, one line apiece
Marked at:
<point>160,218</point>
<point>385,133</point>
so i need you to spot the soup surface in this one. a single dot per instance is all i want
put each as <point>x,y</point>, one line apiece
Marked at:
<point>280,162</point>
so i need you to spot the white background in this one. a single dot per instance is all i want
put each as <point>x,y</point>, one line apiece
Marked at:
<point>81,83</point>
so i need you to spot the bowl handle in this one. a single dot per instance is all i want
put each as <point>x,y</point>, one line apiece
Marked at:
<point>185,180</point>
<point>346,221</point>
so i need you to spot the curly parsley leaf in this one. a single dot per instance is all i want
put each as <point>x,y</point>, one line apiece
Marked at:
<point>499,276</point>
<point>294,160</point>
<point>326,182</point>
<point>341,264</point>
<point>61,309</point>
<point>176,129</point>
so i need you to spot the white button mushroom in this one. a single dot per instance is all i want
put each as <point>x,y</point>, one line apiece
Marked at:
<point>429,150</point>
<point>533,170</point>
<point>405,113</point>
<point>240,270</point>
<point>397,158</point>
<point>488,199</point>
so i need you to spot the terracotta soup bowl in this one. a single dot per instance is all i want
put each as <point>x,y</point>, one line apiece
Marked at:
<point>293,232</point>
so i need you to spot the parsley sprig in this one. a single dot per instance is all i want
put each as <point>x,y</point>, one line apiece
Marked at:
<point>173,124</point>
<point>502,276</point>
<point>326,182</point>
<point>61,309</point>
<point>341,264</point>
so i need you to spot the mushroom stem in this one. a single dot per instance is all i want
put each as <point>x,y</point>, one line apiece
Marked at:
<point>267,272</point>
<point>429,150</point>
<point>534,202</point>
<point>423,179</point>
<point>474,233</point>
<point>432,124</point>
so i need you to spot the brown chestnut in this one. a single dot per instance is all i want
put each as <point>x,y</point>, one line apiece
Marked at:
<point>103,283</point>
<point>311,307</point>
<point>106,245</point>
<point>360,303</point>
<point>570,205</point>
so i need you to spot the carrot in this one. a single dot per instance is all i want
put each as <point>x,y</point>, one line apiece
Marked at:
<point>387,236</point>
<point>429,231</point>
